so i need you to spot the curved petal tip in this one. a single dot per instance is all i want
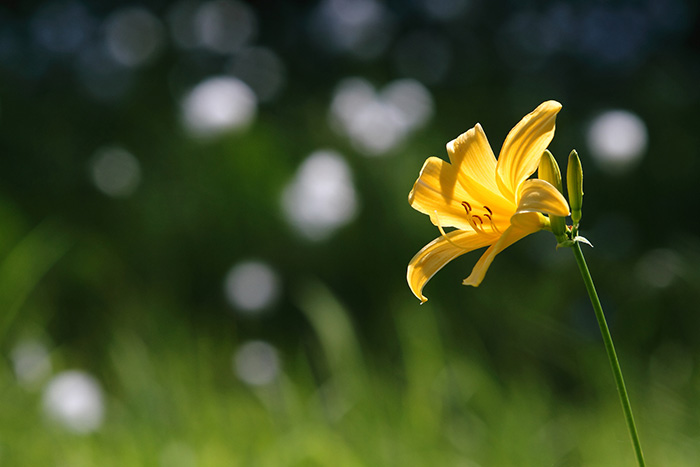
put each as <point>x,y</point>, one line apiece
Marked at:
<point>551,105</point>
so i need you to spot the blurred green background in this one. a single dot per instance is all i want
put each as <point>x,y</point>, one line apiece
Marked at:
<point>204,232</point>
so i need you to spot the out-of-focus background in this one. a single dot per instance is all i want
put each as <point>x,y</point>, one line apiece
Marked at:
<point>204,232</point>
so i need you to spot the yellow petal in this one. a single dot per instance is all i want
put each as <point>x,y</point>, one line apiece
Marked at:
<point>436,254</point>
<point>475,169</point>
<point>471,154</point>
<point>523,147</point>
<point>431,195</point>
<point>540,196</point>
<point>510,236</point>
<point>441,189</point>
<point>529,221</point>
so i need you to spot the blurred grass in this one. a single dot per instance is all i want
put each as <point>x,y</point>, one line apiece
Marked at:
<point>25,265</point>
<point>129,290</point>
<point>173,399</point>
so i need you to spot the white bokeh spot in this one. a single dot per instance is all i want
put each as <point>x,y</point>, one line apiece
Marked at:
<point>134,36</point>
<point>31,362</point>
<point>218,105</point>
<point>251,286</point>
<point>321,197</point>
<point>256,363</point>
<point>224,26</point>
<point>378,122</point>
<point>659,267</point>
<point>115,171</point>
<point>362,28</point>
<point>75,401</point>
<point>262,69</point>
<point>617,140</point>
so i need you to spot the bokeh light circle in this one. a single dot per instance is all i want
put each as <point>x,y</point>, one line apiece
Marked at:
<point>251,286</point>
<point>378,122</point>
<point>134,36</point>
<point>31,362</point>
<point>256,363</point>
<point>617,140</point>
<point>321,197</point>
<point>217,105</point>
<point>74,400</point>
<point>115,171</point>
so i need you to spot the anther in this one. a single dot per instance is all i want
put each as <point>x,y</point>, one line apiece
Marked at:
<point>472,218</point>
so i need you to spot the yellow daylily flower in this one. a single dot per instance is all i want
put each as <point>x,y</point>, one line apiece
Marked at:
<point>488,202</point>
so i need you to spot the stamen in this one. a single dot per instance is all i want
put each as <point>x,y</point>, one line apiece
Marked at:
<point>478,227</point>
<point>493,225</point>
<point>472,218</point>
<point>468,208</point>
<point>444,235</point>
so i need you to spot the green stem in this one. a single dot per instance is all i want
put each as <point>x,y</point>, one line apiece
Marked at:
<point>610,348</point>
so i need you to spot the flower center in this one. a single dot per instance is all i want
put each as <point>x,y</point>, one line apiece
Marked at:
<point>476,220</point>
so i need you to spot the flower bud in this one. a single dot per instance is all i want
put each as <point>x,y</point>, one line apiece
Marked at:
<point>549,171</point>
<point>574,184</point>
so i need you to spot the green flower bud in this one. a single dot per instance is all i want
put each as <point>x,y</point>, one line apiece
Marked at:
<point>574,184</point>
<point>549,171</point>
